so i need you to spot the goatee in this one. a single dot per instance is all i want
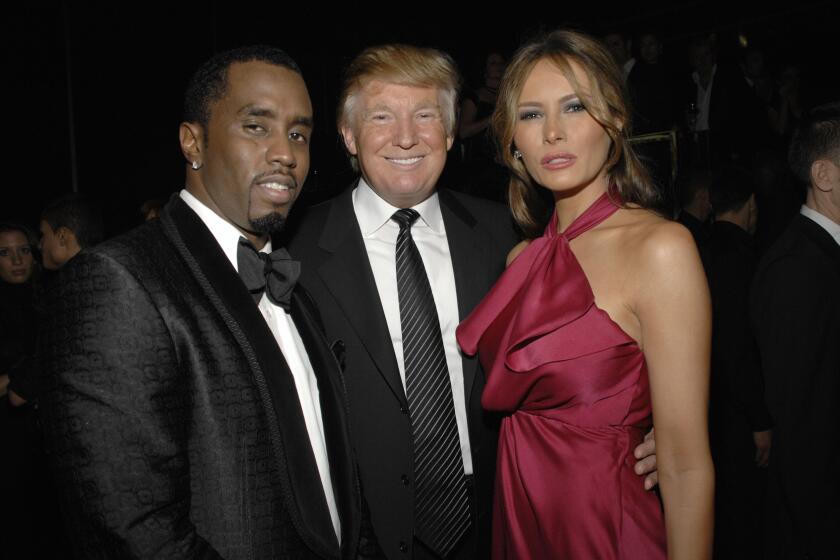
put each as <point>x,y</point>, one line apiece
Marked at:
<point>268,224</point>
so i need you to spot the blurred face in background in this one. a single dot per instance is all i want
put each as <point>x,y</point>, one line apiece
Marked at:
<point>16,260</point>
<point>493,70</point>
<point>649,48</point>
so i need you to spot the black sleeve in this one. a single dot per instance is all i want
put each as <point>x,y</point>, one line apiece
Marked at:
<point>795,314</point>
<point>113,419</point>
<point>735,346</point>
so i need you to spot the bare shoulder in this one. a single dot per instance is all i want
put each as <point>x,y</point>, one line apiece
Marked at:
<point>518,248</point>
<point>654,241</point>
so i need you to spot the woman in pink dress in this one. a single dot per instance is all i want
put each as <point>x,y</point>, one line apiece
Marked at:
<point>600,324</point>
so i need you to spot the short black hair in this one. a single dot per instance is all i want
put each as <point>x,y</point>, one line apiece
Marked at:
<point>731,188</point>
<point>816,137</point>
<point>690,183</point>
<point>78,213</point>
<point>209,82</point>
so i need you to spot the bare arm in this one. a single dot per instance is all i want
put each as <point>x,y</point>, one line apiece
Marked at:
<point>675,315</point>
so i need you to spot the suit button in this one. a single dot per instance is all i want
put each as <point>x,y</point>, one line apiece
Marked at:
<point>403,546</point>
<point>405,480</point>
<point>404,409</point>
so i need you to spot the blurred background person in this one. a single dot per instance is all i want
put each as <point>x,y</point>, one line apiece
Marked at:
<point>620,46</point>
<point>68,225</point>
<point>696,208</point>
<point>28,514</point>
<point>481,174</point>
<point>651,88</point>
<point>739,423</point>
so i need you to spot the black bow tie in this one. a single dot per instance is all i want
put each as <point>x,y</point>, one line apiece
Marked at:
<point>275,270</point>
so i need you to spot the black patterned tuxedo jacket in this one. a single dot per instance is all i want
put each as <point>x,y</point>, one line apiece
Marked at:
<point>172,418</point>
<point>337,272</point>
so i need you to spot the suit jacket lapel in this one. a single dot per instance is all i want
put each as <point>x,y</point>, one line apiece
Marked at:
<point>334,412</point>
<point>471,265</point>
<point>348,275</point>
<point>303,498</point>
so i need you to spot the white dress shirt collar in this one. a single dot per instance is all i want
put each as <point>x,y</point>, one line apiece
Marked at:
<point>832,227</point>
<point>373,211</point>
<point>226,234</point>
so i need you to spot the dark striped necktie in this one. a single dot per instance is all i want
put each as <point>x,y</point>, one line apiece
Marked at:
<point>441,501</point>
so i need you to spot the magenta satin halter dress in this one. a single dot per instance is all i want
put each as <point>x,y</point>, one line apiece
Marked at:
<point>574,391</point>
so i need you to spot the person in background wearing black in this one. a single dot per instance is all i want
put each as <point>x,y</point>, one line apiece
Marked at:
<point>482,175</point>
<point>795,307</point>
<point>739,423</point>
<point>651,88</point>
<point>28,517</point>
<point>68,225</point>
<point>696,208</point>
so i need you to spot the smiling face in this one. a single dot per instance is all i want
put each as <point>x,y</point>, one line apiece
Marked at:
<point>563,148</point>
<point>254,156</point>
<point>16,261</point>
<point>399,137</point>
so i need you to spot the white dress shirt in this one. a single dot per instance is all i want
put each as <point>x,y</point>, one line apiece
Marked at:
<point>379,233</point>
<point>704,99</point>
<point>288,339</point>
<point>827,224</point>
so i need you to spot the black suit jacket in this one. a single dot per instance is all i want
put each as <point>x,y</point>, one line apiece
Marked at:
<point>173,420</point>
<point>796,316</point>
<point>337,273</point>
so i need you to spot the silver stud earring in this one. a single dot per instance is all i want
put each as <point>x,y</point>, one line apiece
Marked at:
<point>517,154</point>
<point>196,165</point>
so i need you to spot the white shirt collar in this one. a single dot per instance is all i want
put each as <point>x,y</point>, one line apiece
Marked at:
<point>225,233</point>
<point>832,227</point>
<point>373,211</point>
<point>628,66</point>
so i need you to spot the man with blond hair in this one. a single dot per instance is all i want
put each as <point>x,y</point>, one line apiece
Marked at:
<point>395,263</point>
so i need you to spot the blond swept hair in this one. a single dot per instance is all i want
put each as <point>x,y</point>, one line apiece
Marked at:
<point>405,65</point>
<point>605,100</point>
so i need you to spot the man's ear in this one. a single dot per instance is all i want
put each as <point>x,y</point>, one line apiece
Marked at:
<point>64,235</point>
<point>349,140</point>
<point>825,175</point>
<point>191,136</point>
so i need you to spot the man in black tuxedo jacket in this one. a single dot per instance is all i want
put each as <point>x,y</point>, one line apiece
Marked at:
<point>397,120</point>
<point>191,414</point>
<point>796,315</point>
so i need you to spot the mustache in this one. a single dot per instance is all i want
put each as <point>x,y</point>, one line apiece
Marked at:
<point>284,178</point>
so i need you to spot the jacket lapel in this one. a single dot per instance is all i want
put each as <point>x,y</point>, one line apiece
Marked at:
<point>334,412</point>
<point>349,277</point>
<point>470,263</point>
<point>303,498</point>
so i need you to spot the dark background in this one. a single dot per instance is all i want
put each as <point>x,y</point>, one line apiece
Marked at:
<point>114,75</point>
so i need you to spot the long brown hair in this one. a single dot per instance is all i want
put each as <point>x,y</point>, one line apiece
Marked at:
<point>606,101</point>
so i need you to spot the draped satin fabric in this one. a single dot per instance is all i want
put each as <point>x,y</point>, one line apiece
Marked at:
<point>574,389</point>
